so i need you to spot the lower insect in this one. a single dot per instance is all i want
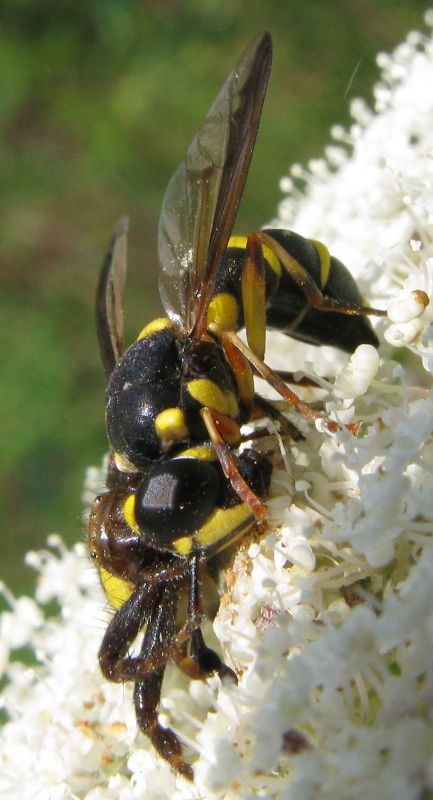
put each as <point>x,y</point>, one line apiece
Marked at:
<point>153,536</point>
<point>180,489</point>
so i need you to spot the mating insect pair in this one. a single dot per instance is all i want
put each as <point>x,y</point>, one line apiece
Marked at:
<point>178,491</point>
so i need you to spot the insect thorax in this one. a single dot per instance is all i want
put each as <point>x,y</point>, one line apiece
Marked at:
<point>157,390</point>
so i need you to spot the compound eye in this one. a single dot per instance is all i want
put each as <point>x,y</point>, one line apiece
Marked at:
<point>176,498</point>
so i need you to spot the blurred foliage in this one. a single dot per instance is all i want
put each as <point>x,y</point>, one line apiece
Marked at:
<point>98,102</point>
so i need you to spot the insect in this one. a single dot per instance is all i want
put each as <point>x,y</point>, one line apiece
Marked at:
<point>178,490</point>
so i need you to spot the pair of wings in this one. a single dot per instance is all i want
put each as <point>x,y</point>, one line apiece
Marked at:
<point>199,209</point>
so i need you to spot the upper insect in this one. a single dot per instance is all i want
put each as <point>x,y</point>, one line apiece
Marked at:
<point>178,489</point>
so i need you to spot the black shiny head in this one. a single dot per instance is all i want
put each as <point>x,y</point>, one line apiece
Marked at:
<point>176,498</point>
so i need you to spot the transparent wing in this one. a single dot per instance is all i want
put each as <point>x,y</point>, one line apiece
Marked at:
<point>109,299</point>
<point>203,196</point>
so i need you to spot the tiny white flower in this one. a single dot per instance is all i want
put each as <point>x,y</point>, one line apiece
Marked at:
<point>355,379</point>
<point>327,616</point>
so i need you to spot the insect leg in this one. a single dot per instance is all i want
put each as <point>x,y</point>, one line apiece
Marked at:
<point>268,409</point>
<point>144,607</point>
<point>254,296</point>
<point>147,691</point>
<point>201,661</point>
<point>230,468</point>
<point>122,631</point>
<point>289,377</point>
<point>307,284</point>
<point>206,658</point>
<point>278,384</point>
<point>147,694</point>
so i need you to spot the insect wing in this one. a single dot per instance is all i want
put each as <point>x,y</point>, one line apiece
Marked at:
<point>186,223</point>
<point>203,195</point>
<point>247,105</point>
<point>109,299</point>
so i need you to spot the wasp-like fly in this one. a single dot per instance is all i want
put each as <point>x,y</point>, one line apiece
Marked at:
<point>178,490</point>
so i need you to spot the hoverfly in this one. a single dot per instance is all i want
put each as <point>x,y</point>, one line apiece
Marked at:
<point>178,491</point>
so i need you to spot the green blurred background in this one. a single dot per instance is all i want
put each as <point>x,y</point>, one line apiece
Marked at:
<point>98,102</point>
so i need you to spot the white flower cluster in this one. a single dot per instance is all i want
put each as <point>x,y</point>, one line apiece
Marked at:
<point>69,734</point>
<point>327,616</point>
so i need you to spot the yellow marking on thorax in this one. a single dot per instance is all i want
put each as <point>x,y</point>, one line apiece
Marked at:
<point>116,589</point>
<point>171,425</point>
<point>223,313</point>
<point>224,521</point>
<point>202,452</point>
<point>158,324</point>
<point>123,464</point>
<point>209,395</point>
<point>233,407</point>
<point>129,513</point>
<point>184,545</point>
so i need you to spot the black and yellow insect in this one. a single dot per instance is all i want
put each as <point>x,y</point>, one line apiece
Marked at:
<point>178,491</point>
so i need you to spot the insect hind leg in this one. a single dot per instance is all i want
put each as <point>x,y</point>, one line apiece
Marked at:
<point>147,694</point>
<point>207,659</point>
